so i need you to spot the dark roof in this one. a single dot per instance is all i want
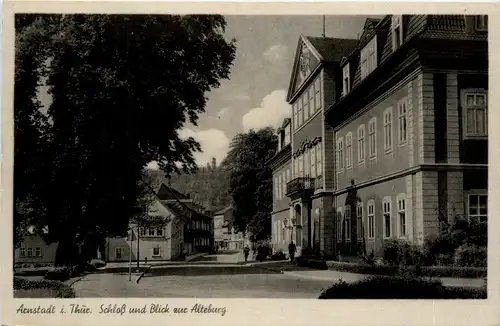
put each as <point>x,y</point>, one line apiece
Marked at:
<point>224,210</point>
<point>452,27</point>
<point>168,193</point>
<point>332,49</point>
<point>178,210</point>
<point>422,27</point>
<point>372,22</point>
<point>155,179</point>
<point>185,210</point>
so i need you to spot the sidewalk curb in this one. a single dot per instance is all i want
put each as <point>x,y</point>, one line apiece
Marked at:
<point>277,270</point>
<point>77,280</point>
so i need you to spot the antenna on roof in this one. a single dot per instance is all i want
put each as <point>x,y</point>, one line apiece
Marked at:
<point>324,34</point>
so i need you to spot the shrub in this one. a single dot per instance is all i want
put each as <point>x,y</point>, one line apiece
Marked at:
<point>443,259</point>
<point>399,252</point>
<point>470,256</point>
<point>438,271</point>
<point>263,252</point>
<point>59,274</point>
<point>311,263</point>
<point>455,271</point>
<point>278,256</point>
<point>42,287</point>
<point>97,263</point>
<point>381,287</point>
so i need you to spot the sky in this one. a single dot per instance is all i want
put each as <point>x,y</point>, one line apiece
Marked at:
<point>254,97</point>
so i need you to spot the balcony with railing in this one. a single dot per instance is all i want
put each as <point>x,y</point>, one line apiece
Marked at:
<point>300,186</point>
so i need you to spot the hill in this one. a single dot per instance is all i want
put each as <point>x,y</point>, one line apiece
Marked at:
<point>208,186</point>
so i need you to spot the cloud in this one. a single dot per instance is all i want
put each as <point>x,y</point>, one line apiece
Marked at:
<point>242,97</point>
<point>214,143</point>
<point>276,53</point>
<point>271,112</point>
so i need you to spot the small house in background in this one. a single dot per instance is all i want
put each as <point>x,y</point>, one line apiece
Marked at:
<point>34,250</point>
<point>226,237</point>
<point>188,228</point>
<point>153,244</point>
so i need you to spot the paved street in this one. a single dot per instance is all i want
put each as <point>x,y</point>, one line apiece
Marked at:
<point>252,285</point>
<point>220,276</point>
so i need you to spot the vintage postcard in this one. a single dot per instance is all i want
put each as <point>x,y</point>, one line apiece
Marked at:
<point>173,162</point>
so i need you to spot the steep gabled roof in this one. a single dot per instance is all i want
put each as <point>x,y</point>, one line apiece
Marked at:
<point>168,193</point>
<point>332,49</point>
<point>323,50</point>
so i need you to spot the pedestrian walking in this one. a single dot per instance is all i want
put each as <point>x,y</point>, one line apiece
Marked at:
<point>246,251</point>
<point>291,251</point>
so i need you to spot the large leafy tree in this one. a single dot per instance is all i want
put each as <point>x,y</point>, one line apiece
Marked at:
<point>30,128</point>
<point>121,87</point>
<point>251,180</point>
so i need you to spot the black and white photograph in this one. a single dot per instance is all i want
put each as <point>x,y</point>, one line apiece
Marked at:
<point>250,156</point>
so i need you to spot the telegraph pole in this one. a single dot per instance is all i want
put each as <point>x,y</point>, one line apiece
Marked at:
<point>324,27</point>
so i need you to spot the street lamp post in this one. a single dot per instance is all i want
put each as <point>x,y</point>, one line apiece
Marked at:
<point>293,220</point>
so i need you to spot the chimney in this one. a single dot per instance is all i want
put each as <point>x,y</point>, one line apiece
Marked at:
<point>214,162</point>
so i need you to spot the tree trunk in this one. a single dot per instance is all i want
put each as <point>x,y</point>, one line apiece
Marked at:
<point>66,253</point>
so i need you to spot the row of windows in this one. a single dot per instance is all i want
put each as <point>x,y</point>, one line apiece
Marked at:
<point>346,158</point>
<point>280,182</point>
<point>150,232</point>
<point>309,163</point>
<point>201,242</point>
<point>477,209</point>
<point>368,222</point>
<point>309,103</point>
<point>198,225</point>
<point>476,123</point>
<point>369,54</point>
<point>28,252</point>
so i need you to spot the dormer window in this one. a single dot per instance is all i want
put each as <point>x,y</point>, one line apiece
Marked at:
<point>397,31</point>
<point>369,58</point>
<point>346,81</point>
<point>287,135</point>
<point>481,23</point>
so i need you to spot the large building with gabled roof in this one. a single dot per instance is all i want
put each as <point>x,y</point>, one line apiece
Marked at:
<point>388,135</point>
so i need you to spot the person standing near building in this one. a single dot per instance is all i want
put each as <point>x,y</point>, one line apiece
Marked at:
<point>291,251</point>
<point>246,251</point>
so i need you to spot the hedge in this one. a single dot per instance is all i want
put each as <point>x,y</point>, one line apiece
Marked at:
<point>311,263</point>
<point>62,290</point>
<point>382,287</point>
<point>439,271</point>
